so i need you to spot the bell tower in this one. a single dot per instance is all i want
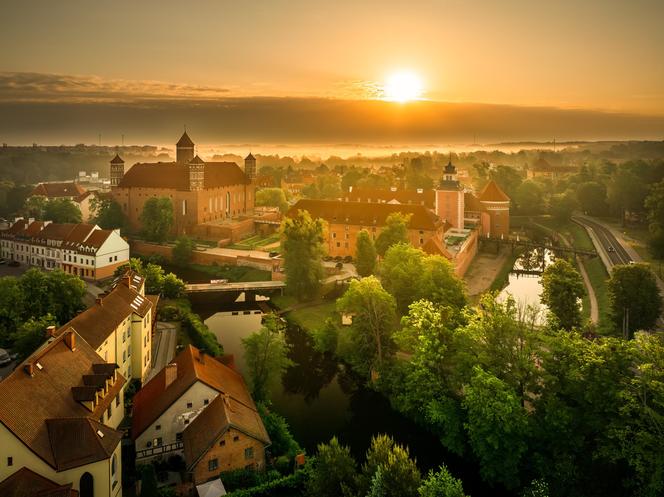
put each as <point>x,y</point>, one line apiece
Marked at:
<point>450,205</point>
<point>117,170</point>
<point>184,149</point>
<point>250,166</point>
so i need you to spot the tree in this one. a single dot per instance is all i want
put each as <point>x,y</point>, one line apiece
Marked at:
<point>591,197</point>
<point>303,252</point>
<point>562,205</point>
<point>332,472</point>
<point>12,303</point>
<point>562,287</point>
<point>374,319</point>
<point>62,210</point>
<point>326,337</point>
<point>172,287</point>
<point>183,250</point>
<point>35,206</point>
<point>278,430</point>
<point>497,427</point>
<point>365,254</point>
<point>154,278</point>
<point>107,213</point>
<point>528,197</point>
<point>654,204</point>
<point>272,197</point>
<point>157,218</point>
<point>409,275</point>
<point>395,231</point>
<point>441,484</point>
<point>634,298</point>
<point>149,482</point>
<point>31,334</point>
<point>55,292</point>
<point>400,476</point>
<point>266,357</point>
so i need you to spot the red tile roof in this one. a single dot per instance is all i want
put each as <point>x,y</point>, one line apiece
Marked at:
<point>492,193</point>
<point>426,197</point>
<point>36,408</point>
<point>174,176</point>
<point>366,214</point>
<point>57,190</point>
<point>224,412</point>
<point>27,483</point>
<point>192,366</point>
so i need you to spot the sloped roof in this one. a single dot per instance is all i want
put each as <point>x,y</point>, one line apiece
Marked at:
<point>196,160</point>
<point>27,483</point>
<point>35,408</point>
<point>471,202</point>
<point>185,141</point>
<point>492,193</point>
<point>365,213</point>
<point>97,238</point>
<point>250,157</point>
<point>171,175</point>
<point>434,246</point>
<point>97,322</point>
<point>222,413</point>
<point>117,159</point>
<point>426,197</point>
<point>56,190</point>
<point>192,366</point>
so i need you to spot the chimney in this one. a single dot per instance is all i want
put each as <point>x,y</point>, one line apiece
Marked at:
<point>29,369</point>
<point>50,331</point>
<point>201,356</point>
<point>98,301</point>
<point>70,340</point>
<point>170,374</point>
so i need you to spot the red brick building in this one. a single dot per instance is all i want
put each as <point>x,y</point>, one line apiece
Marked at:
<point>217,193</point>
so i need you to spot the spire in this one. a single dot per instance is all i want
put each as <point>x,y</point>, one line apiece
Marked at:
<point>117,159</point>
<point>185,141</point>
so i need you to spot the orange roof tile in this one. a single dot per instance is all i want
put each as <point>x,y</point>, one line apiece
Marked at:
<point>57,190</point>
<point>492,193</point>
<point>192,366</point>
<point>27,483</point>
<point>425,197</point>
<point>171,175</point>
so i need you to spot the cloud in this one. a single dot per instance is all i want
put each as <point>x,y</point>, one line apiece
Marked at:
<point>40,87</point>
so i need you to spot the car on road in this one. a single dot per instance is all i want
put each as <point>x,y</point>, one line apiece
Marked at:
<point>5,358</point>
<point>611,249</point>
<point>3,261</point>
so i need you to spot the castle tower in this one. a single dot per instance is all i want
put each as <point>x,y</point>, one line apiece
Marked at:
<point>496,203</point>
<point>117,170</point>
<point>250,166</point>
<point>450,197</point>
<point>184,149</point>
<point>196,174</point>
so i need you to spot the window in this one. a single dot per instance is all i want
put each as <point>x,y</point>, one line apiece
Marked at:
<point>213,464</point>
<point>10,461</point>
<point>222,443</point>
<point>236,438</point>
<point>117,400</point>
<point>157,442</point>
<point>186,421</point>
<point>109,412</point>
<point>110,259</point>
<point>206,402</point>
<point>189,404</point>
<point>157,427</point>
<point>149,444</point>
<point>178,437</point>
<point>334,235</point>
<point>113,464</point>
<point>249,453</point>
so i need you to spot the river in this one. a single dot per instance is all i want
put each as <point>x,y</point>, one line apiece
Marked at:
<point>320,398</point>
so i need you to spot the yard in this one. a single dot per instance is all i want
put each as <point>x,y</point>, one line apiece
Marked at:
<point>258,242</point>
<point>308,315</point>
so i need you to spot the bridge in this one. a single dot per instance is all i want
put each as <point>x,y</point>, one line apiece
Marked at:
<point>516,242</point>
<point>236,287</point>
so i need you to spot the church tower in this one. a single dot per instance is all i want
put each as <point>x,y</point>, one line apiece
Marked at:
<point>196,174</point>
<point>117,170</point>
<point>250,166</point>
<point>184,149</point>
<point>450,197</point>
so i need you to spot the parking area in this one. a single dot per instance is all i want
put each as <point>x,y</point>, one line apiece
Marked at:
<point>7,270</point>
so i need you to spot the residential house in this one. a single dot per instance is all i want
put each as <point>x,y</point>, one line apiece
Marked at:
<point>66,190</point>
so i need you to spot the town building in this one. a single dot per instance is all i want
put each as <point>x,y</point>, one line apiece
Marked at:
<point>66,190</point>
<point>542,168</point>
<point>210,199</point>
<point>81,249</point>
<point>118,326</point>
<point>59,416</point>
<point>172,401</point>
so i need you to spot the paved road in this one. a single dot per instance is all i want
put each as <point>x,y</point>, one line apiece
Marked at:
<point>614,250</point>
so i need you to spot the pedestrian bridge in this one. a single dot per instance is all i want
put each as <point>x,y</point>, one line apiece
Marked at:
<point>236,287</point>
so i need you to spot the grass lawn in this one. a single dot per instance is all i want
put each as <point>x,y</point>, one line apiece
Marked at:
<point>256,242</point>
<point>309,317</point>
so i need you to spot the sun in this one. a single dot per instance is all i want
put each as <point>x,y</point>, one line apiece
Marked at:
<point>402,86</point>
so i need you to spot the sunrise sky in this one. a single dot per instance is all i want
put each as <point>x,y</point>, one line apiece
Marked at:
<point>109,67</point>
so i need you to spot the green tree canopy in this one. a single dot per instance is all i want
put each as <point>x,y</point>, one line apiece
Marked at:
<point>107,213</point>
<point>31,334</point>
<point>562,287</point>
<point>303,252</point>
<point>591,197</point>
<point>365,254</point>
<point>333,471</point>
<point>374,320</point>
<point>562,205</point>
<point>62,210</point>
<point>441,484</point>
<point>266,357</point>
<point>157,218</point>
<point>395,231</point>
<point>272,197</point>
<point>183,250</point>
<point>400,476</point>
<point>634,297</point>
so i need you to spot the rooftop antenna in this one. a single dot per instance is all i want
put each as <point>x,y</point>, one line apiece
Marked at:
<point>185,128</point>
<point>100,139</point>
<point>123,139</point>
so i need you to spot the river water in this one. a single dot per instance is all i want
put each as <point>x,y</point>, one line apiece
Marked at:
<point>320,398</point>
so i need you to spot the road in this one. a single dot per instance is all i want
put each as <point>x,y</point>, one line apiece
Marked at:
<point>613,249</point>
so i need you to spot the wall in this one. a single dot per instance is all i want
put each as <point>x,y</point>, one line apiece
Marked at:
<point>230,456</point>
<point>466,255</point>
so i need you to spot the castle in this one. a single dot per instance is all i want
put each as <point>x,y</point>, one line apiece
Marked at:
<point>210,199</point>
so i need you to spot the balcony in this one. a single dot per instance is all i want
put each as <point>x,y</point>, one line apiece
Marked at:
<point>161,449</point>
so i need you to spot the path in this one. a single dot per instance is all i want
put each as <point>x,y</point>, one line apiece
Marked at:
<point>163,347</point>
<point>483,271</point>
<point>592,297</point>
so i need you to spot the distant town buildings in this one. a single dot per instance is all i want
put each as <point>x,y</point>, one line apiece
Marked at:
<point>201,409</point>
<point>210,199</point>
<point>81,249</point>
<point>66,190</point>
